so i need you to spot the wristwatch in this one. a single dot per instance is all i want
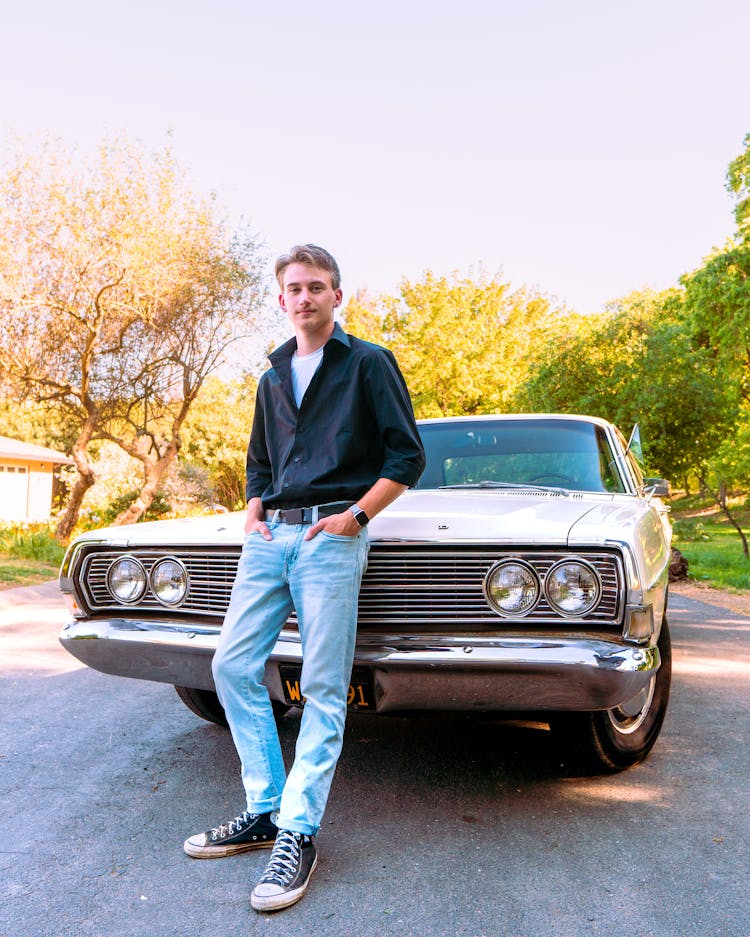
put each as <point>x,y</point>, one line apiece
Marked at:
<point>359,515</point>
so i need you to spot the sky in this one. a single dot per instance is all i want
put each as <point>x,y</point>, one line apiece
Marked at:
<point>578,148</point>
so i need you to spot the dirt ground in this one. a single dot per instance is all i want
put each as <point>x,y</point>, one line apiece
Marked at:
<point>738,602</point>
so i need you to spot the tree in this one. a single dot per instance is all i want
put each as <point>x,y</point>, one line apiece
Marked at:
<point>718,292</point>
<point>717,300</point>
<point>718,303</point>
<point>738,183</point>
<point>463,344</point>
<point>216,434</point>
<point>120,291</point>
<point>636,363</point>
<point>729,467</point>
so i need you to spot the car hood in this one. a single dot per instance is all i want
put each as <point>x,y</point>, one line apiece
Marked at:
<point>491,515</point>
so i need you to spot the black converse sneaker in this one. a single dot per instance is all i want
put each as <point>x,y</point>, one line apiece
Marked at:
<point>248,831</point>
<point>287,874</point>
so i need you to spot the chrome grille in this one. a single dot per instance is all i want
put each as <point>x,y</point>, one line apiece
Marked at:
<point>211,576</point>
<point>445,585</point>
<point>428,585</point>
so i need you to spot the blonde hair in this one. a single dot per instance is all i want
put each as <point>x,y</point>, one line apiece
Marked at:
<point>313,256</point>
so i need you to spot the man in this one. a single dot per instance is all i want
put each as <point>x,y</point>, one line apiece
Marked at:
<point>333,442</point>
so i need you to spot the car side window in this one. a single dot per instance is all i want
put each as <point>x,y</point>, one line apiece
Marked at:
<point>609,475</point>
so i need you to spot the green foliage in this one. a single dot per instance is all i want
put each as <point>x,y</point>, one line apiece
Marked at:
<point>463,344</point>
<point>709,540</point>
<point>166,291</point>
<point>635,363</point>
<point>729,464</point>
<point>717,300</point>
<point>121,291</point>
<point>158,508</point>
<point>30,542</point>
<point>35,424</point>
<point>718,561</point>
<point>216,433</point>
<point>738,182</point>
<point>689,530</point>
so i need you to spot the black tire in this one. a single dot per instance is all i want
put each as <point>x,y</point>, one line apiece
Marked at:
<point>615,739</point>
<point>205,703</point>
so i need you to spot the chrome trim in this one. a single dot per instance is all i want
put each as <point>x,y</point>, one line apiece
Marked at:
<point>553,605</point>
<point>211,574</point>
<point>507,562</point>
<point>439,672</point>
<point>628,631</point>
<point>407,585</point>
<point>618,445</point>
<point>176,560</point>
<point>146,580</point>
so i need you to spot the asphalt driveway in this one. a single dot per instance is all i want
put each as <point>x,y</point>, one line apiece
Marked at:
<point>436,826</point>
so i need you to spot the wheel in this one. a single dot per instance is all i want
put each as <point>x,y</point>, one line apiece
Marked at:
<point>618,738</point>
<point>205,703</point>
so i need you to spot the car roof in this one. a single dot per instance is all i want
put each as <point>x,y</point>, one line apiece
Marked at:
<point>573,417</point>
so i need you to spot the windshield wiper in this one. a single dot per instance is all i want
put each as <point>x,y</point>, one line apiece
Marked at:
<point>491,484</point>
<point>483,484</point>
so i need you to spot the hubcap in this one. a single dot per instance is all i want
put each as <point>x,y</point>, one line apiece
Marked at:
<point>629,716</point>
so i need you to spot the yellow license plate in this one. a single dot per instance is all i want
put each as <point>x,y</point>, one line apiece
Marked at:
<point>360,695</point>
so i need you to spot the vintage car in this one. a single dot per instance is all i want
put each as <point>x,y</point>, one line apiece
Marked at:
<point>526,575</point>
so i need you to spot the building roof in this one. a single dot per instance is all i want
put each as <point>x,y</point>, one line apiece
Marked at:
<point>15,449</point>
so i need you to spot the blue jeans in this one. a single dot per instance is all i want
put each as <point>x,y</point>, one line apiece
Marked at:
<point>320,579</point>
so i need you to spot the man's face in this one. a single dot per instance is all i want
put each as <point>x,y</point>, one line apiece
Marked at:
<point>308,298</point>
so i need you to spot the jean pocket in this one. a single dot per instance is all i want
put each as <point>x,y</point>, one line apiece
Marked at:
<point>271,525</point>
<point>342,538</point>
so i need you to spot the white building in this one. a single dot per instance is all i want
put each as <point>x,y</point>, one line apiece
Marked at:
<point>26,480</point>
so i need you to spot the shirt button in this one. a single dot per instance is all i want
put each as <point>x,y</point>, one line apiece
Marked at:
<point>296,459</point>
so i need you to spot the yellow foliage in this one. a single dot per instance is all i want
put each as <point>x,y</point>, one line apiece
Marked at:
<point>463,344</point>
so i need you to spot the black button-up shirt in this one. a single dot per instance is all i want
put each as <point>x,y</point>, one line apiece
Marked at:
<point>354,425</point>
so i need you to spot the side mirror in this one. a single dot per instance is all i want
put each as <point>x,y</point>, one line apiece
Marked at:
<point>657,487</point>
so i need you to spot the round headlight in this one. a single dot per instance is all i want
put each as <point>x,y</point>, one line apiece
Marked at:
<point>169,580</point>
<point>126,580</point>
<point>572,588</point>
<point>512,588</point>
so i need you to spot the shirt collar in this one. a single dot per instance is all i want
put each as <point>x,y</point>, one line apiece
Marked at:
<point>288,348</point>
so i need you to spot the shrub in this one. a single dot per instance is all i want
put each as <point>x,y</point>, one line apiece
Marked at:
<point>158,507</point>
<point>31,542</point>
<point>689,530</point>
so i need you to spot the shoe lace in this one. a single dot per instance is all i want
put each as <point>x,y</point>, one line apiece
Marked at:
<point>233,826</point>
<point>284,861</point>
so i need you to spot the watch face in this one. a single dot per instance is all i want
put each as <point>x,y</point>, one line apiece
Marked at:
<point>360,516</point>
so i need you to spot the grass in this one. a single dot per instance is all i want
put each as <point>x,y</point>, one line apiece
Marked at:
<point>710,544</point>
<point>25,572</point>
<point>29,554</point>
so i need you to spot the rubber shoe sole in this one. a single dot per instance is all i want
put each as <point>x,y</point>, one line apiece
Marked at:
<point>285,898</point>
<point>196,850</point>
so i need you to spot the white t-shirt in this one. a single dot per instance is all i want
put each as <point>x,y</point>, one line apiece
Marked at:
<point>303,369</point>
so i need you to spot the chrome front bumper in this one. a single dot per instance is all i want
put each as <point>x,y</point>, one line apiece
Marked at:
<point>419,672</point>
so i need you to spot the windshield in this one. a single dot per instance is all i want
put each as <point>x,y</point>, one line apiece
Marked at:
<point>555,453</point>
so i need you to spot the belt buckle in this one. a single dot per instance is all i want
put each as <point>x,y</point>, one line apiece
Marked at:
<point>293,516</point>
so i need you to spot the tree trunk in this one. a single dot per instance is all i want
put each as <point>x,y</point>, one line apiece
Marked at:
<point>86,479</point>
<point>720,497</point>
<point>155,472</point>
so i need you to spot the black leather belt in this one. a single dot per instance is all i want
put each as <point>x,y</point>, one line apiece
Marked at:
<point>306,515</point>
